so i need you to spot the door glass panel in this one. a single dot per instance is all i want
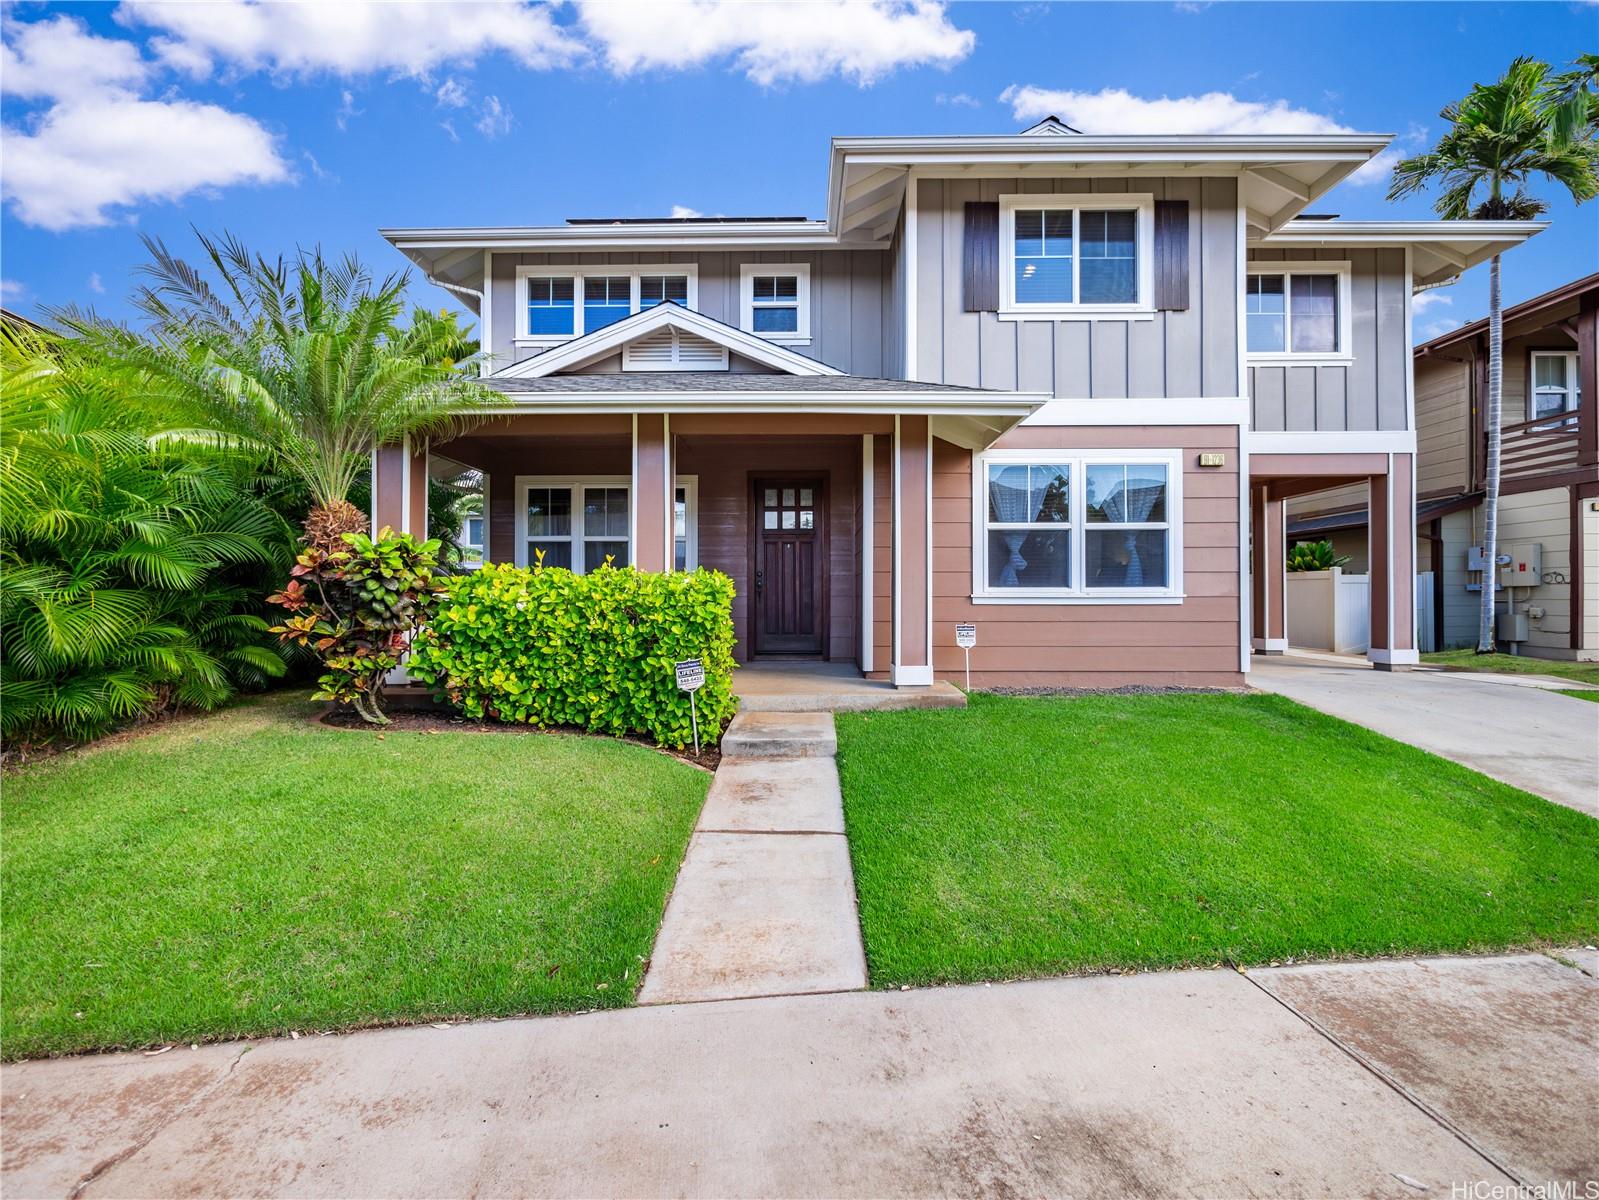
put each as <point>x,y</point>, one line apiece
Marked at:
<point>788,497</point>
<point>807,519</point>
<point>770,519</point>
<point>788,519</point>
<point>771,497</point>
<point>805,496</point>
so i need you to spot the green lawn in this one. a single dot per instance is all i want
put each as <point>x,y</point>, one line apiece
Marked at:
<point>1039,836</point>
<point>252,873</point>
<point>1594,696</point>
<point>1515,664</point>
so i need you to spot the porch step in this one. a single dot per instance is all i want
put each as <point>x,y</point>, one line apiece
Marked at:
<point>780,735</point>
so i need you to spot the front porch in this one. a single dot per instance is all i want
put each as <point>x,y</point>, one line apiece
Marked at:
<point>832,687</point>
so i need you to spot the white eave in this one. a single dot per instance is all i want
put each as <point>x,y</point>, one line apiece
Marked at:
<point>1439,249</point>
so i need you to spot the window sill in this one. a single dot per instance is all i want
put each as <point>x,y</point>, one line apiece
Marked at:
<point>1273,359</point>
<point>1134,598</point>
<point>1133,313</point>
<point>782,339</point>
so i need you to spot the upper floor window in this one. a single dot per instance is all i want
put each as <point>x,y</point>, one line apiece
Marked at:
<point>559,304</point>
<point>776,301</point>
<point>1076,255</point>
<point>1555,387</point>
<point>1297,310</point>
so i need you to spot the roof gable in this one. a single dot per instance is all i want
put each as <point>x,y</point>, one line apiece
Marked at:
<point>666,337</point>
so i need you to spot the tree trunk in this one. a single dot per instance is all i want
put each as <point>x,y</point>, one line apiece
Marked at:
<point>1492,423</point>
<point>326,524</point>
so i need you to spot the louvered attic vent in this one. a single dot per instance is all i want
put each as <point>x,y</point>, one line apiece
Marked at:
<point>670,349</point>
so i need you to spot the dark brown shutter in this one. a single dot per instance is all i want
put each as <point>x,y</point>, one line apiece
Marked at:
<point>1171,254</point>
<point>980,287</point>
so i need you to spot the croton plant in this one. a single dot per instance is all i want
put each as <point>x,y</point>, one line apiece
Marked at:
<point>358,608</point>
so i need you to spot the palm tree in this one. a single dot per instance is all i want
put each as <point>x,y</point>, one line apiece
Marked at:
<point>1500,135</point>
<point>307,360</point>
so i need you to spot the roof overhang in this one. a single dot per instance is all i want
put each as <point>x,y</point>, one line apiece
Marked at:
<point>1278,176</point>
<point>593,346</point>
<point>1439,249</point>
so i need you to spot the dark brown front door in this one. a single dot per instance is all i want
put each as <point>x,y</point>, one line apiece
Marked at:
<point>790,565</point>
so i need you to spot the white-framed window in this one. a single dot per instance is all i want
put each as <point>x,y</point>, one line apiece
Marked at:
<point>580,522</point>
<point>1073,527</point>
<point>1297,311</point>
<point>474,529</point>
<point>1080,255</point>
<point>775,301</point>
<point>556,304</point>
<point>1556,387</point>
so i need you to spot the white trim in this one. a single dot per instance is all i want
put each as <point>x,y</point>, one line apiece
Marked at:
<point>632,500</point>
<point>1395,658</point>
<point>1397,441</point>
<point>1142,204</point>
<point>486,341</point>
<point>427,455</point>
<point>928,517</point>
<point>868,523</point>
<point>1271,645</point>
<point>405,484</point>
<point>691,526</point>
<point>669,508</point>
<point>1241,333</point>
<point>1006,404</point>
<point>1344,272</point>
<point>1195,410</point>
<point>895,596</point>
<point>908,249</point>
<point>1410,575</point>
<point>801,336</point>
<point>1410,356</point>
<point>574,352</point>
<point>578,274</point>
<point>1079,592</point>
<point>488,520</point>
<point>903,676</point>
<point>372,517</point>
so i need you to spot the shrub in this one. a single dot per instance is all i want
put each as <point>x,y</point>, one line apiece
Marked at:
<point>548,647</point>
<point>1315,556</point>
<point>358,609</point>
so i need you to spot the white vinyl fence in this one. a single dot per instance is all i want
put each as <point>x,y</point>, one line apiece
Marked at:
<point>1328,610</point>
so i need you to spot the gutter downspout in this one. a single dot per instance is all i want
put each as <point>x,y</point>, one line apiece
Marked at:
<point>462,290</point>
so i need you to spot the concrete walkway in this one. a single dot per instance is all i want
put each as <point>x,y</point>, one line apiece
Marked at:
<point>1397,1079</point>
<point>764,903</point>
<point>1505,726</point>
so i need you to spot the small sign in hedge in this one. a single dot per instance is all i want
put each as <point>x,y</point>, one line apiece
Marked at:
<point>598,651</point>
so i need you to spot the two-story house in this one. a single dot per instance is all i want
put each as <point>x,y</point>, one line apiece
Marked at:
<point>1548,594</point>
<point>1057,386</point>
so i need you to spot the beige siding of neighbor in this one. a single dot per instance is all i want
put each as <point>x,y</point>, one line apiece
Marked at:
<point>1182,354</point>
<point>1542,517</point>
<point>1590,577</point>
<point>1443,426</point>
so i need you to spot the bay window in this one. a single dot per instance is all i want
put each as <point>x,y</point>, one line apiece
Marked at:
<point>1082,254</point>
<point>1297,310</point>
<point>1073,527</point>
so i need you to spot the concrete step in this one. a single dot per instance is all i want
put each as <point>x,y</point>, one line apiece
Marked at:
<point>780,735</point>
<point>763,795</point>
<point>858,695</point>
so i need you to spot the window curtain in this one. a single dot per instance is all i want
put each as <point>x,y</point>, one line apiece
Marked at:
<point>1008,503</point>
<point>1133,503</point>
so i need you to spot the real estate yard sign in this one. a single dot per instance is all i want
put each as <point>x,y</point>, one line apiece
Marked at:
<point>966,638</point>
<point>690,678</point>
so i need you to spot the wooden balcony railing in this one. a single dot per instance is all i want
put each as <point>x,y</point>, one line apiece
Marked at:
<point>1546,446</point>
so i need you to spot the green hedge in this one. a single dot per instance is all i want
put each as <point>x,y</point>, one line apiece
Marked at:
<point>548,647</point>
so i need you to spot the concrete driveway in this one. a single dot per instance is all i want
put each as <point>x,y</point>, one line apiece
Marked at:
<point>1507,726</point>
<point>1396,1079</point>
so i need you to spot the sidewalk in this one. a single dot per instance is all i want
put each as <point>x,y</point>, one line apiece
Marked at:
<point>1382,1079</point>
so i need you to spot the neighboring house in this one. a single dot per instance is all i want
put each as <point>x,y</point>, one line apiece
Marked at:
<point>1044,383</point>
<point>1549,478</point>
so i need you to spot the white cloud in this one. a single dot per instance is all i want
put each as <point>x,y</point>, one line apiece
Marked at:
<point>682,212</point>
<point>957,100</point>
<point>350,38</point>
<point>98,145</point>
<point>1191,6</point>
<point>778,41</point>
<point>12,290</point>
<point>318,169</point>
<point>96,284</point>
<point>1422,301</point>
<point>1439,328</point>
<point>1116,110</point>
<point>449,128</point>
<point>59,59</point>
<point>450,94</point>
<point>494,119</point>
<point>346,110</point>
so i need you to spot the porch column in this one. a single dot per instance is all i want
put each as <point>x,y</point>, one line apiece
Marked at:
<point>1392,505</point>
<point>912,664</point>
<point>1268,550</point>
<point>400,488</point>
<point>652,492</point>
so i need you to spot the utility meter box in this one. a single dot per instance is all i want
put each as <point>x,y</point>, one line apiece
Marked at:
<point>1524,568</point>
<point>1511,627</point>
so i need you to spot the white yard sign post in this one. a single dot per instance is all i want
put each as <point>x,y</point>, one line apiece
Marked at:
<point>966,638</point>
<point>690,678</point>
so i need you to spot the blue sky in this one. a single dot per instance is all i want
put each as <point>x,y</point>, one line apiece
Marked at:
<point>300,124</point>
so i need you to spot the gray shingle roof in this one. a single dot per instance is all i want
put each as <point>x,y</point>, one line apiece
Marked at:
<point>721,382</point>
